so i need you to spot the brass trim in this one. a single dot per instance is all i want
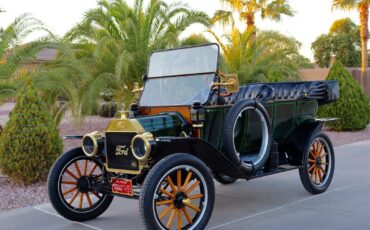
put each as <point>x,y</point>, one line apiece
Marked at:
<point>229,81</point>
<point>125,126</point>
<point>146,137</point>
<point>94,137</point>
<point>123,170</point>
<point>198,125</point>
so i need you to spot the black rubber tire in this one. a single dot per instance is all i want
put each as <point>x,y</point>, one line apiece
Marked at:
<point>223,179</point>
<point>303,172</point>
<point>154,176</point>
<point>228,138</point>
<point>54,196</point>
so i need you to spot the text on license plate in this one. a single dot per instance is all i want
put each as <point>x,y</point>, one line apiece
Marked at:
<point>122,186</point>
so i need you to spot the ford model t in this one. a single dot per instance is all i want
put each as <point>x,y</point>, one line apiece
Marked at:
<point>193,124</point>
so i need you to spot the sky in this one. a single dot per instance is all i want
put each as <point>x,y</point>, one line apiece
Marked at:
<point>312,17</point>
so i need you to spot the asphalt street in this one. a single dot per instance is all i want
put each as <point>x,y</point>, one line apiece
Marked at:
<point>273,202</point>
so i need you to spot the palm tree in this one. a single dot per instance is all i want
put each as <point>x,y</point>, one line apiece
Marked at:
<point>247,10</point>
<point>270,55</point>
<point>363,8</point>
<point>14,55</point>
<point>115,40</point>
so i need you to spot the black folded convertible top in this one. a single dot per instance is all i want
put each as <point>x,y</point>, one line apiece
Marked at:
<point>323,91</point>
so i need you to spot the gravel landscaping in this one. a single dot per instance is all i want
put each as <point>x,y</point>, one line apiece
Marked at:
<point>15,196</point>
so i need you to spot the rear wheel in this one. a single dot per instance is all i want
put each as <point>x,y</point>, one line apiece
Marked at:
<point>178,193</point>
<point>318,168</point>
<point>69,185</point>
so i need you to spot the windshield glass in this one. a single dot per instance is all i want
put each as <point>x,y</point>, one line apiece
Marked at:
<point>180,76</point>
<point>184,61</point>
<point>181,90</point>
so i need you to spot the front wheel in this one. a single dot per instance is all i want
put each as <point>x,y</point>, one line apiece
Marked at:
<point>318,164</point>
<point>70,190</point>
<point>178,193</point>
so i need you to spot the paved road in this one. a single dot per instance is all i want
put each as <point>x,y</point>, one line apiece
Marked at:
<point>274,202</point>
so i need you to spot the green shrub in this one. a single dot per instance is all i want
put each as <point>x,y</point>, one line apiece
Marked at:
<point>275,76</point>
<point>108,109</point>
<point>352,108</point>
<point>30,142</point>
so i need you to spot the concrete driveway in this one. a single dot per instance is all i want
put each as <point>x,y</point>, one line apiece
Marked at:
<point>273,202</point>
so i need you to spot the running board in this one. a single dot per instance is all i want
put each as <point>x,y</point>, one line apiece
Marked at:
<point>281,168</point>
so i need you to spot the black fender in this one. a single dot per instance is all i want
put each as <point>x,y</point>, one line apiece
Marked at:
<point>299,140</point>
<point>202,149</point>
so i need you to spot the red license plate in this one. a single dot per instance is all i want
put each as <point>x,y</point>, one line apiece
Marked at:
<point>122,186</point>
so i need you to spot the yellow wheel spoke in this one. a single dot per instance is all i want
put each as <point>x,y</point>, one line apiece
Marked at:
<point>71,174</point>
<point>179,179</point>
<point>69,182</point>
<point>312,154</point>
<point>77,169</point>
<point>193,207</point>
<point>192,187</point>
<point>92,170</point>
<point>81,200</point>
<point>313,174</point>
<point>317,176</point>
<point>320,174</point>
<point>187,180</point>
<point>190,221</point>
<point>165,212</point>
<point>163,202</point>
<point>312,167</point>
<point>73,197</point>
<point>179,219</point>
<point>321,148</point>
<point>170,182</point>
<point>197,196</point>
<point>88,199</point>
<point>170,220</point>
<point>70,190</point>
<point>314,149</point>
<point>85,167</point>
<point>322,170</point>
<point>166,192</point>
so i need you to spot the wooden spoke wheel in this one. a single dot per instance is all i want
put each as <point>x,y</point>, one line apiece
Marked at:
<point>181,193</point>
<point>76,180</point>
<point>318,169</point>
<point>71,187</point>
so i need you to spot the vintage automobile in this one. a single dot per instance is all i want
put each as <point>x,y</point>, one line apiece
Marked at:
<point>193,124</point>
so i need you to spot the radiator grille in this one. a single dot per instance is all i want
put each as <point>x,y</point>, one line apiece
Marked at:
<point>119,155</point>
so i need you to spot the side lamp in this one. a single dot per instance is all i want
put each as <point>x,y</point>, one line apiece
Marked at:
<point>197,114</point>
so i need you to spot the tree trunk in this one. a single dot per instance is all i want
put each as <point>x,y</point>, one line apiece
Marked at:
<point>364,16</point>
<point>251,28</point>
